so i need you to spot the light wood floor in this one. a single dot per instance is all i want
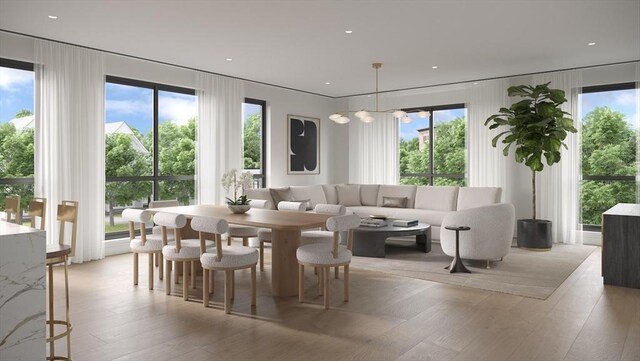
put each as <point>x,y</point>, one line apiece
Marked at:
<point>387,318</point>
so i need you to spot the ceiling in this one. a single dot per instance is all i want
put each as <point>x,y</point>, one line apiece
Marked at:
<point>303,44</point>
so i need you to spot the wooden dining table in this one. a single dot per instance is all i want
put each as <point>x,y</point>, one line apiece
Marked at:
<point>287,228</point>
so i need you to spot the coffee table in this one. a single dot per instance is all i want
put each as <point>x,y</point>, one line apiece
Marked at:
<point>370,241</point>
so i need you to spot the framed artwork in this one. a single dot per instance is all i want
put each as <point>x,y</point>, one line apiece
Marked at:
<point>303,145</point>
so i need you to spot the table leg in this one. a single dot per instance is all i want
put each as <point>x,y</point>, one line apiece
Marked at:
<point>424,239</point>
<point>284,264</point>
<point>369,244</point>
<point>456,265</point>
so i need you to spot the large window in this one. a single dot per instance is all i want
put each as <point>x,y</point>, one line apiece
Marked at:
<point>432,149</point>
<point>254,140</point>
<point>149,147</point>
<point>610,138</point>
<point>17,123</point>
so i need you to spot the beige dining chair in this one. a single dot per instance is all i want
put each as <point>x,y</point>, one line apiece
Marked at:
<point>12,209</point>
<point>142,244</point>
<point>38,209</point>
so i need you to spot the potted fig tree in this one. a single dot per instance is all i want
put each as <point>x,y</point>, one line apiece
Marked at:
<point>536,127</point>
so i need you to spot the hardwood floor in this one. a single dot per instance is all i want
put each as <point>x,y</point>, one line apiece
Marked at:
<point>387,318</point>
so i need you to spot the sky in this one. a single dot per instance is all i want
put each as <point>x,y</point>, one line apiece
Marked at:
<point>409,130</point>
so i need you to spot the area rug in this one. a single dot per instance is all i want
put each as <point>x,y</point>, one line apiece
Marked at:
<point>523,273</point>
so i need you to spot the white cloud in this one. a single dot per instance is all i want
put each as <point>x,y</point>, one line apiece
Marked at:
<point>625,97</point>
<point>178,109</point>
<point>125,107</point>
<point>10,78</point>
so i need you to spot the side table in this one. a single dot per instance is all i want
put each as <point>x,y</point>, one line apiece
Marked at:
<point>456,265</point>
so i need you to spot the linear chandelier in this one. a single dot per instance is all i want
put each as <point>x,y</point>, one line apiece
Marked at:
<point>366,116</point>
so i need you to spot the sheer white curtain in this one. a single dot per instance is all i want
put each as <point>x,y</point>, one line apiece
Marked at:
<point>219,133</point>
<point>69,160</point>
<point>487,165</point>
<point>373,147</point>
<point>558,186</point>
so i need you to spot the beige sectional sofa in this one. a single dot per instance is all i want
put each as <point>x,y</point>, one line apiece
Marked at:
<point>428,204</point>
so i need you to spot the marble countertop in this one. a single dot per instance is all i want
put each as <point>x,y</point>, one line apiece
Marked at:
<point>8,229</point>
<point>624,209</point>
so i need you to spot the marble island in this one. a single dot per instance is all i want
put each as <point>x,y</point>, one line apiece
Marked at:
<point>22,292</point>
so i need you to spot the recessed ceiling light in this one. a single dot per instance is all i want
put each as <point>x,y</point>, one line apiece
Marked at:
<point>327,83</point>
<point>229,59</point>
<point>348,31</point>
<point>52,17</point>
<point>591,44</point>
<point>434,67</point>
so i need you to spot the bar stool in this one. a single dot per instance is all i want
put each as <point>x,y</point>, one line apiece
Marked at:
<point>38,208</point>
<point>56,254</point>
<point>12,209</point>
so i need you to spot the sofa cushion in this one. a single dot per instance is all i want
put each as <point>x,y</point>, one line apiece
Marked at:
<point>437,198</point>
<point>472,197</point>
<point>428,216</point>
<point>280,195</point>
<point>369,194</point>
<point>261,193</point>
<point>394,202</point>
<point>397,191</point>
<point>330,193</point>
<point>348,194</point>
<point>314,194</point>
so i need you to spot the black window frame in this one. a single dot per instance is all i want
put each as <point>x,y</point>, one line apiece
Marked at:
<point>431,175</point>
<point>261,178</point>
<point>20,65</point>
<point>600,89</point>
<point>155,178</point>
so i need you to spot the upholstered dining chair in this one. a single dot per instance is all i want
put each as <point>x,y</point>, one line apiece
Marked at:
<point>155,231</point>
<point>326,255</point>
<point>310,237</point>
<point>246,232</point>
<point>144,243</point>
<point>38,208</point>
<point>12,209</point>
<point>264,234</point>
<point>187,251</point>
<point>59,253</point>
<point>228,259</point>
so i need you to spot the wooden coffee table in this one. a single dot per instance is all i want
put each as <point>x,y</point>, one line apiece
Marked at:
<point>370,241</point>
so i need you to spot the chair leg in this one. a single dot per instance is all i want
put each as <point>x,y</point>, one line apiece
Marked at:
<point>261,256</point>
<point>167,278</point>
<point>211,280</point>
<point>233,285</point>
<point>205,287</point>
<point>320,273</point>
<point>66,299</point>
<point>185,280</point>
<point>193,274</point>
<point>227,291</point>
<point>300,283</point>
<point>346,283</point>
<point>228,240</point>
<point>151,257</point>
<point>135,268</point>
<point>253,286</point>
<point>156,256</point>
<point>176,277</point>
<point>337,272</point>
<point>161,265</point>
<point>488,264</point>
<point>326,271</point>
<point>245,241</point>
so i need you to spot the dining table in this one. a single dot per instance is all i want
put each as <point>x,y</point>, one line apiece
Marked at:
<point>286,229</point>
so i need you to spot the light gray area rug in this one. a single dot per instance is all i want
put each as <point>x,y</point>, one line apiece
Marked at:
<point>523,273</point>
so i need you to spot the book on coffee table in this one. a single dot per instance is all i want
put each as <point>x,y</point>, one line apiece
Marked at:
<point>405,223</point>
<point>369,222</point>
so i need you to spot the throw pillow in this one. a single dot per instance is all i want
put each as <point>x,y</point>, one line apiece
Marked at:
<point>349,194</point>
<point>281,194</point>
<point>395,202</point>
<point>307,203</point>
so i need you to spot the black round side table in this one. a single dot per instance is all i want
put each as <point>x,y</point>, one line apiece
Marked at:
<point>456,265</point>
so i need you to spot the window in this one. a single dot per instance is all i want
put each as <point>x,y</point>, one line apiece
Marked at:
<point>149,147</point>
<point>17,124</point>
<point>432,149</point>
<point>254,140</point>
<point>610,138</point>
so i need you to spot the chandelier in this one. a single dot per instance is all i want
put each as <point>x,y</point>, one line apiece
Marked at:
<point>366,116</point>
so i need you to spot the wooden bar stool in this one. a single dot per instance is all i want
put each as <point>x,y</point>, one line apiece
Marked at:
<point>56,254</point>
<point>12,209</point>
<point>38,208</point>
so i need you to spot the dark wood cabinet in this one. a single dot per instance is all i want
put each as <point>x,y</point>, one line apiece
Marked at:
<point>621,245</point>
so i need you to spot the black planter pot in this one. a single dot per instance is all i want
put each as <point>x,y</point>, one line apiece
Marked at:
<point>534,234</point>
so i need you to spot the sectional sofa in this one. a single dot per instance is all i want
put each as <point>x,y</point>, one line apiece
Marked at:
<point>428,204</point>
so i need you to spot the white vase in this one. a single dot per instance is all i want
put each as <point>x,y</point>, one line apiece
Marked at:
<point>239,208</point>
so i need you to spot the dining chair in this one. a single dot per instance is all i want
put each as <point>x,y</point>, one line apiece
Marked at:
<point>144,243</point>
<point>318,236</point>
<point>326,255</point>
<point>38,208</point>
<point>187,251</point>
<point>246,232</point>
<point>12,209</point>
<point>155,231</point>
<point>264,234</point>
<point>227,259</point>
<point>59,253</point>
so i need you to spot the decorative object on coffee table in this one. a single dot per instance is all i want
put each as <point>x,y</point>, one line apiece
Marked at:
<point>303,145</point>
<point>370,241</point>
<point>456,265</point>
<point>537,127</point>
<point>240,181</point>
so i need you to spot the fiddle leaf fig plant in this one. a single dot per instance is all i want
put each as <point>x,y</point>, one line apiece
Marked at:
<point>535,126</point>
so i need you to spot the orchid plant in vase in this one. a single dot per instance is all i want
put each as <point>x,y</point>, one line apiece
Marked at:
<point>240,182</point>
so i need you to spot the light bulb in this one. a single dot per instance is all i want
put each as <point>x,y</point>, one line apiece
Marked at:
<point>406,119</point>
<point>423,114</point>
<point>398,114</point>
<point>335,117</point>
<point>362,114</point>
<point>368,119</point>
<point>343,120</point>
